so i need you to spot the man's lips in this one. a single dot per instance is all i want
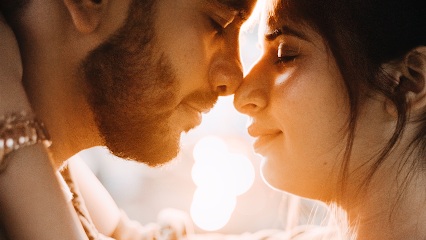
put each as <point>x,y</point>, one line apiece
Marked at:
<point>201,101</point>
<point>192,114</point>
<point>205,108</point>
<point>191,117</point>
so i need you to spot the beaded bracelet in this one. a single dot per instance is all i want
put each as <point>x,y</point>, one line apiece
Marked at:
<point>19,130</point>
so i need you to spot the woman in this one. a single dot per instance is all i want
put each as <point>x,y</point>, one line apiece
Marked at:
<point>338,107</point>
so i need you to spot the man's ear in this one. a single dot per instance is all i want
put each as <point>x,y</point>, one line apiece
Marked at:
<point>409,74</point>
<point>86,14</point>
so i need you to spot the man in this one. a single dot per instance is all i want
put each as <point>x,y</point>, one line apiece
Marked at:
<point>129,75</point>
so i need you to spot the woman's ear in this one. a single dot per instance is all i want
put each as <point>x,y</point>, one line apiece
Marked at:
<point>86,14</point>
<point>409,74</point>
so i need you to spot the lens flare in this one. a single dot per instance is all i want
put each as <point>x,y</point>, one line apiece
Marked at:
<point>244,172</point>
<point>209,146</point>
<point>220,176</point>
<point>212,209</point>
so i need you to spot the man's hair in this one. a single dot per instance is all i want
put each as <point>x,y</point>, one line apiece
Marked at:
<point>12,9</point>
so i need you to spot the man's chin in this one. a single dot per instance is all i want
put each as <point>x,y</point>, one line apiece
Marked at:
<point>150,152</point>
<point>188,128</point>
<point>162,156</point>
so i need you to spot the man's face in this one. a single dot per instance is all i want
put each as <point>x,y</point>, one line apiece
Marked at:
<point>169,63</point>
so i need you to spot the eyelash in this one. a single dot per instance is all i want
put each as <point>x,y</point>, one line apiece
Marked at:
<point>217,26</point>
<point>287,55</point>
<point>286,59</point>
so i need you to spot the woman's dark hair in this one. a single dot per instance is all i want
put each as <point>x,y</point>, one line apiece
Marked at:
<point>362,35</point>
<point>11,8</point>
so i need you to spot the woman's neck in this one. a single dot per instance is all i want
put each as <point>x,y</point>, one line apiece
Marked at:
<point>391,208</point>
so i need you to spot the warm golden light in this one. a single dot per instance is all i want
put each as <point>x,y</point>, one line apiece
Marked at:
<point>209,146</point>
<point>244,172</point>
<point>220,176</point>
<point>212,208</point>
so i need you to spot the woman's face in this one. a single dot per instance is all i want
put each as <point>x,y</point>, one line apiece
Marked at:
<point>298,104</point>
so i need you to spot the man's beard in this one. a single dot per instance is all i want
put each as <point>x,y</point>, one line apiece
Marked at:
<point>131,92</point>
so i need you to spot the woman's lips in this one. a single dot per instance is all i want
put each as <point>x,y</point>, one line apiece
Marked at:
<point>264,137</point>
<point>262,143</point>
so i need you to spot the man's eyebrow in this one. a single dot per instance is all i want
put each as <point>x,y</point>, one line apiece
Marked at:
<point>241,6</point>
<point>285,30</point>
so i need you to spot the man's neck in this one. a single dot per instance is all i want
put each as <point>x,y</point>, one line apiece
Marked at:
<point>51,57</point>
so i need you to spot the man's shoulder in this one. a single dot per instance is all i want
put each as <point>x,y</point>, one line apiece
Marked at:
<point>2,234</point>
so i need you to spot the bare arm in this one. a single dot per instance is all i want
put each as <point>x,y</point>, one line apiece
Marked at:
<point>32,206</point>
<point>111,221</point>
<point>102,208</point>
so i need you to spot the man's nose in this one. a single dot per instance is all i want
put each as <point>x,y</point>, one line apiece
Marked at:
<point>225,76</point>
<point>226,73</point>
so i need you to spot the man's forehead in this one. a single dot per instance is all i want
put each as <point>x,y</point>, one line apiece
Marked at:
<point>244,7</point>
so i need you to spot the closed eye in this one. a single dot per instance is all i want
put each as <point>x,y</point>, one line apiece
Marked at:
<point>216,26</point>
<point>286,59</point>
<point>286,54</point>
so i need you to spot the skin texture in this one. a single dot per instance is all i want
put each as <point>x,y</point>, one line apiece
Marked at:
<point>299,109</point>
<point>156,89</point>
<point>92,86</point>
<point>196,57</point>
<point>30,170</point>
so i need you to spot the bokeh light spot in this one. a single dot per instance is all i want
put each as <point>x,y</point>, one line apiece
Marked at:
<point>220,176</point>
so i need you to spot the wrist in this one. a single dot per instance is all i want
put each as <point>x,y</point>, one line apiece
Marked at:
<point>19,130</point>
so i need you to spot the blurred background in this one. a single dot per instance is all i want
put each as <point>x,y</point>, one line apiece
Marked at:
<point>216,179</point>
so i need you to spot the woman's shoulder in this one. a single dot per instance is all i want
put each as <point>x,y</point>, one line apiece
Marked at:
<point>2,235</point>
<point>312,232</point>
<point>320,233</point>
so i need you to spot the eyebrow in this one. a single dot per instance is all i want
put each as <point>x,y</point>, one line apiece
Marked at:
<point>241,6</point>
<point>285,30</point>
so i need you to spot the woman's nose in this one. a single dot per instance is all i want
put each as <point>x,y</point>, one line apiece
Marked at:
<point>252,95</point>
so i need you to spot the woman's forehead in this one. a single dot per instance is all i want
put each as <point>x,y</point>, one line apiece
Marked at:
<point>277,13</point>
<point>279,16</point>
